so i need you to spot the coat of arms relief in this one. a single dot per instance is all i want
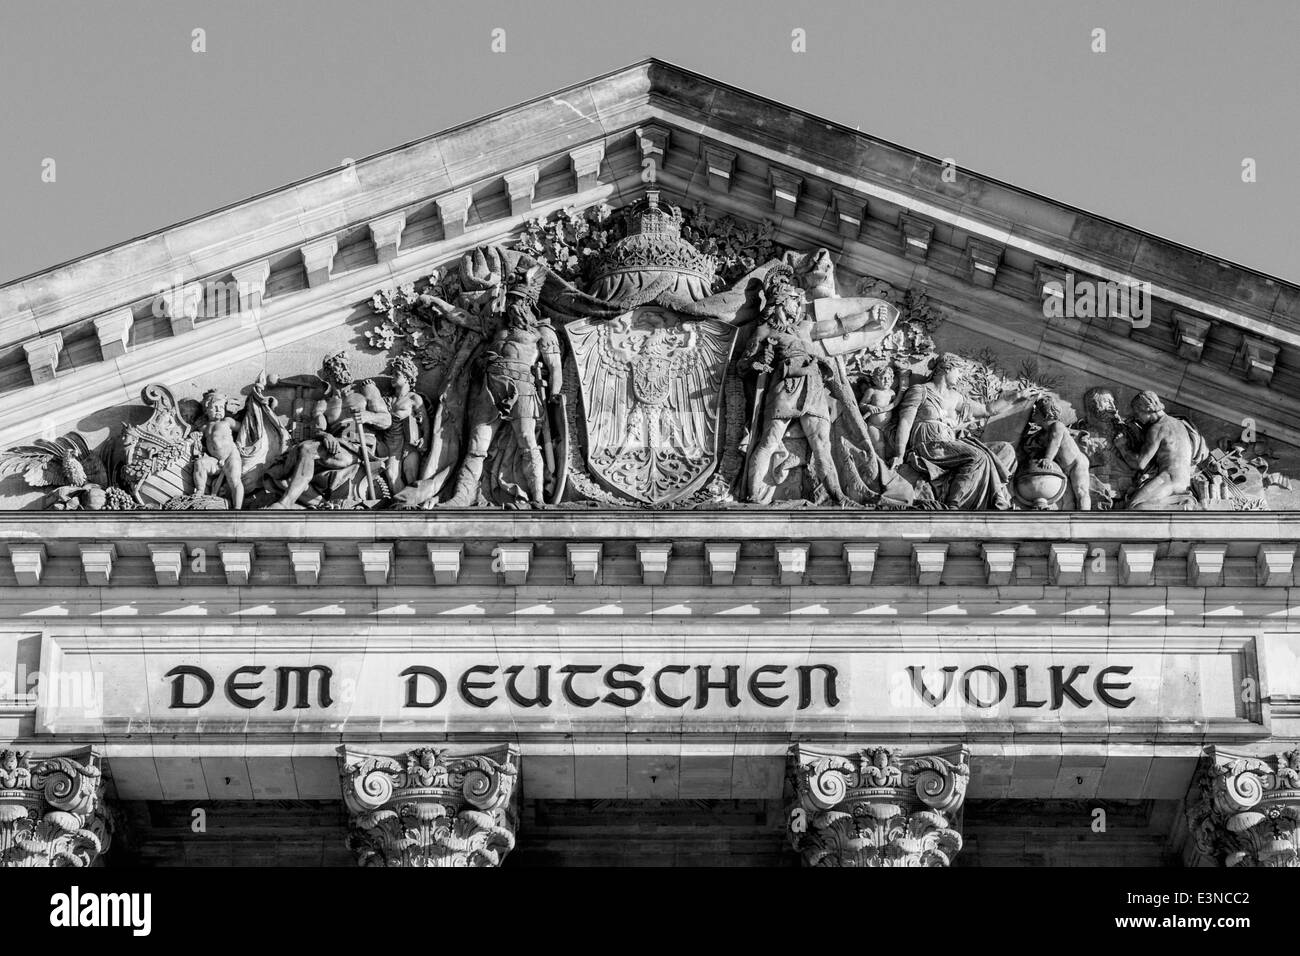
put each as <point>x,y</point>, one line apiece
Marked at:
<point>651,385</point>
<point>653,359</point>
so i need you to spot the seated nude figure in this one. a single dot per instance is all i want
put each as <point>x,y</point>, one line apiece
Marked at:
<point>218,451</point>
<point>1166,458</point>
<point>1053,442</point>
<point>347,417</point>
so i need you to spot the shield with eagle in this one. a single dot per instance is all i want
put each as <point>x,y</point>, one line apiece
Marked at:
<point>651,383</point>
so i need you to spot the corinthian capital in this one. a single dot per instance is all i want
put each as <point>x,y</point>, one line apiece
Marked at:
<point>52,810</point>
<point>1245,811</point>
<point>428,808</point>
<point>877,807</point>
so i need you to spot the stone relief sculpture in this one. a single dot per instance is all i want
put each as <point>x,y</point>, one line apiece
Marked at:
<point>1170,448</point>
<point>336,459</point>
<point>1104,431</point>
<point>518,385</point>
<point>652,359</point>
<point>513,391</point>
<point>797,374</point>
<point>75,476</point>
<point>657,439</point>
<point>1056,463</point>
<point>216,450</point>
<point>407,439</point>
<point>878,405</point>
<point>934,440</point>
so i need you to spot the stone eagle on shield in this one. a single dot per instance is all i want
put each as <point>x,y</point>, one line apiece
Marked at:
<point>651,389</point>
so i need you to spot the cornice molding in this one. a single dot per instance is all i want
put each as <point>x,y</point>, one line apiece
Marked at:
<point>129,528</point>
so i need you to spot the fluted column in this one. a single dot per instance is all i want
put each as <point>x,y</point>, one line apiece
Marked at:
<point>877,807</point>
<point>427,808</point>
<point>52,810</point>
<point>1244,810</point>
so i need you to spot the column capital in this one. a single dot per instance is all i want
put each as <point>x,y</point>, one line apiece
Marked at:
<point>877,807</point>
<point>1245,810</point>
<point>426,807</point>
<point>52,809</point>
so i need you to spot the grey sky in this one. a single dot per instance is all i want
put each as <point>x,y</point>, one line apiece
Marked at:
<point>1151,133</point>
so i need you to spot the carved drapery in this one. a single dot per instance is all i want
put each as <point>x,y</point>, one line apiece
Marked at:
<point>877,807</point>
<point>429,808</point>
<point>1245,811</point>
<point>52,810</point>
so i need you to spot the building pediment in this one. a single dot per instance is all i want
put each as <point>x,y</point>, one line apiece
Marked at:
<point>1035,299</point>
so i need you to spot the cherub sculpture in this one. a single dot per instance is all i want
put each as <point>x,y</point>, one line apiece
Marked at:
<point>408,436</point>
<point>877,405</point>
<point>1050,440</point>
<point>15,769</point>
<point>425,767</point>
<point>216,449</point>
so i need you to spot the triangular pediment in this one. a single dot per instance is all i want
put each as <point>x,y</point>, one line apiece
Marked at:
<point>1013,283</point>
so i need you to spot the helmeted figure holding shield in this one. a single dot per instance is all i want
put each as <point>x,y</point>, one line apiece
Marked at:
<point>796,354</point>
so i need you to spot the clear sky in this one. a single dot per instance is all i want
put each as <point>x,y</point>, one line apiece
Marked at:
<point>145,132</point>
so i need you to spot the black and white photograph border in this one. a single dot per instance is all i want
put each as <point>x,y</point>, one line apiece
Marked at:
<point>658,466</point>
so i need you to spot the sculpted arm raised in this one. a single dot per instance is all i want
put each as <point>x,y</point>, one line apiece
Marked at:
<point>851,315</point>
<point>998,405</point>
<point>452,313</point>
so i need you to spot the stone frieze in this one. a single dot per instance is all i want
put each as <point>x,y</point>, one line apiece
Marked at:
<point>655,359</point>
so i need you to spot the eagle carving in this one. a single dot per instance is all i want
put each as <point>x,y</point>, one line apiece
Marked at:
<point>651,384</point>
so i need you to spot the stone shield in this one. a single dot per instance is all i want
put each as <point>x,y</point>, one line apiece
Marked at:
<point>651,385</point>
